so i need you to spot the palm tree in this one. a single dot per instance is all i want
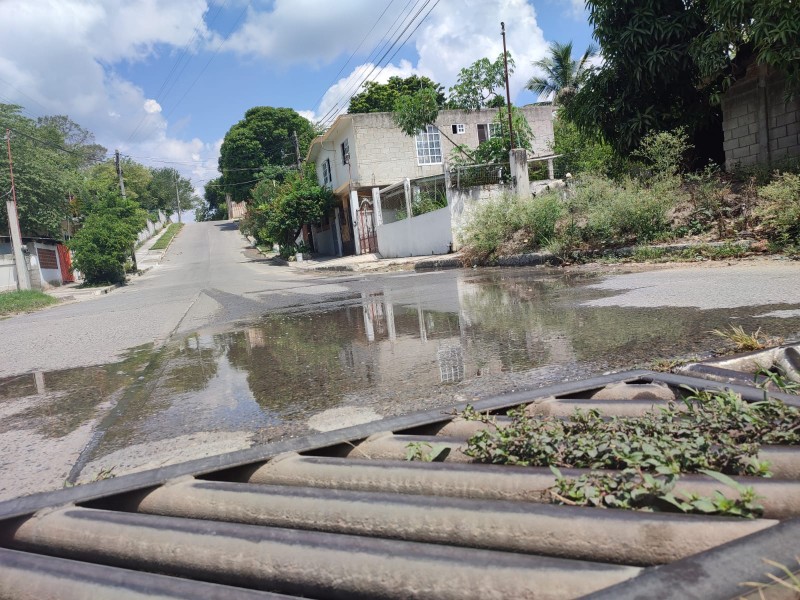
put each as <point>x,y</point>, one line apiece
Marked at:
<point>563,76</point>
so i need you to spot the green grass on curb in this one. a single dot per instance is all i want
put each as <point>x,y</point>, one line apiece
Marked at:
<point>167,236</point>
<point>24,301</point>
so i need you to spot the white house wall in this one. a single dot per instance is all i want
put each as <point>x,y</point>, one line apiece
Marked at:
<point>419,236</point>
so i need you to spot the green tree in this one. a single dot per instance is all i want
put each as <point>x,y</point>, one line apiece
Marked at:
<point>46,171</point>
<point>214,206</point>
<point>102,179</point>
<point>735,29</point>
<point>381,97</point>
<point>264,137</point>
<point>583,152</point>
<point>103,244</point>
<point>481,85</point>
<point>563,76</point>
<point>163,192</point>
<point>649,80</point>
<point>279,212</point>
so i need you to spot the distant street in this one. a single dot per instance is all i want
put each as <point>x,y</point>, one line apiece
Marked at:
<point>207,276</point>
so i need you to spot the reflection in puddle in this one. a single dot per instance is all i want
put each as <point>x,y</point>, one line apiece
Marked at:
<point>416,343</point>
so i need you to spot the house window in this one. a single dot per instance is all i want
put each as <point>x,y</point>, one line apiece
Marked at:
<point>487,131</point>
<point>459,128</point>
<point>346,152</point>
<point>429,147</point>
<point>326,172</point>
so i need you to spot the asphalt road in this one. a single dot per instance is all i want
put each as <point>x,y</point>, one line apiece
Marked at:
<point>207,277</point>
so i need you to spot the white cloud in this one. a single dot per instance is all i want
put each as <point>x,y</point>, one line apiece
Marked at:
<point>151,106</point>
<point>310,31</point>
<point>58,57</point>
<point>456,34</point>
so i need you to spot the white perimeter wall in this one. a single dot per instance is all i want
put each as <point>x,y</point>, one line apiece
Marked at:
<point>8,275</point>
<point>463,201</point>
<point>417,236</point>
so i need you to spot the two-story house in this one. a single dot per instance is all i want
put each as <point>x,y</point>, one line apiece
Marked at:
<point>367,150</point>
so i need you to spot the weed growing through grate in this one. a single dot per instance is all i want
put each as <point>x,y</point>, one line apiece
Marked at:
<point>713,432</point>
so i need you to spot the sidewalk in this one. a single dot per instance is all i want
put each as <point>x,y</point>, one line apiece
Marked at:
<point>146,259</point>
<point>365,263</point>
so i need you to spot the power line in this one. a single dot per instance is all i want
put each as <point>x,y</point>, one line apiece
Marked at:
<point>347,62</point>
<point>329,116</point>
<point>376,50</point>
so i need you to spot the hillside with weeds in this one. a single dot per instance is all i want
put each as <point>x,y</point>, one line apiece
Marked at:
<point>646,199</point>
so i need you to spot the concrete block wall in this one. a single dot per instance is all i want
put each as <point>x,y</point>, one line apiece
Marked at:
<point>759,125</point>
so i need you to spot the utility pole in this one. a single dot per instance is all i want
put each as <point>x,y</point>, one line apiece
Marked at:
<point>508,91</point>
<point>297,153</point>
<point>23,278</point>
<point>177,196</point>
<point>122,191</point>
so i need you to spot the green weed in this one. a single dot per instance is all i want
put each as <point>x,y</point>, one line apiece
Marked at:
<point>166,237</point>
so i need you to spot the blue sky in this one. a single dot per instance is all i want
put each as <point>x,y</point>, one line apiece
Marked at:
<point>163,80</point>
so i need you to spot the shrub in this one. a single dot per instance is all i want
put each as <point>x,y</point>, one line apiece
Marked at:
<point>490,224</point>
<point>540,216</point>
<point>780,213</point>
<point>662,152</point>
<point>104,243</point>
<point>624,211</point>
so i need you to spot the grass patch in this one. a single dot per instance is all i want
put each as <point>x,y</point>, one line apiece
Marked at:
<point>166,237</point>
<point>24,301</point>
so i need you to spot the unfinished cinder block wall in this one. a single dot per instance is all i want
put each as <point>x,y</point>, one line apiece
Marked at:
<point>760,126</point>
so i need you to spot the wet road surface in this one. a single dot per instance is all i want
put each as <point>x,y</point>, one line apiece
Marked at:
<point>240,351</point>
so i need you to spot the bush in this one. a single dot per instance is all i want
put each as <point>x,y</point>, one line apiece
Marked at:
<point>626,211</point>
<point>490,224</point>
<point>662,152</point>
<point>780,213</point>
<point>104,243</point>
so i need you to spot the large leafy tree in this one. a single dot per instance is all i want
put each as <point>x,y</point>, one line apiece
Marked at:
<point>667,62</point>
<point>279,212</point>
<point>214,207</point>
<point>648,80</point>
<point>381,97</point>
<point>562,75</point>
<point>481,85</point>
<point>264,137</point>
<point>47,164</point>
<point>167,189</point>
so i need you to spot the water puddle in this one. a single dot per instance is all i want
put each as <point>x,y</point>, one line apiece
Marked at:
<point>394,346</point>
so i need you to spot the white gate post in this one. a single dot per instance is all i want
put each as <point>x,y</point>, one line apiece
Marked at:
<point>354,220</point>
<point>407,192</point>
<point>377,208</point>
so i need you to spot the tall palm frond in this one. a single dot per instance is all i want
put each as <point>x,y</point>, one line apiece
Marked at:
<point>562,76</point>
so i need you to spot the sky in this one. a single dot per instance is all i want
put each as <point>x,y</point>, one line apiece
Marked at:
<point>164,80</point>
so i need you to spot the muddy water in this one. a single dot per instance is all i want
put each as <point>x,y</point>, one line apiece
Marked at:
<point>392,345</point>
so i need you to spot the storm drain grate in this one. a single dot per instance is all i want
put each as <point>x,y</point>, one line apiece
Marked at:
<point>344,515</point>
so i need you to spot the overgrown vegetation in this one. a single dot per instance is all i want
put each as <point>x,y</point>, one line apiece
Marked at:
<point>642,200</point>
<point>166,237</point>
<point>716,433</point>
<point>24,301</point>
<point>104,244</point>
<point>280,210</point>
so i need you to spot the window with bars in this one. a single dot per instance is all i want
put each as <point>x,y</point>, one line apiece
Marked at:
<point>429,146</point>
<point>346,152</point>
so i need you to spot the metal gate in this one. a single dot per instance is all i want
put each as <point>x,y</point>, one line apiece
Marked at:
<point>65,261</point>
<point>367,236</point>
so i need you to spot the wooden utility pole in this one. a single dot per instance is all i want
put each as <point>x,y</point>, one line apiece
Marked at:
<point>508,90</point>
<point>23,278</point>
<point>122,191</point>
<point>177,196</point>
<point>297,153</point>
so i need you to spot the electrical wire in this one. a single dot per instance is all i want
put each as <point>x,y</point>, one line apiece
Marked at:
<point>347,62</point>
<point>334,112</point>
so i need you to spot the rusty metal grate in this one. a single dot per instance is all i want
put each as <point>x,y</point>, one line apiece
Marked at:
<point>343,515</point>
